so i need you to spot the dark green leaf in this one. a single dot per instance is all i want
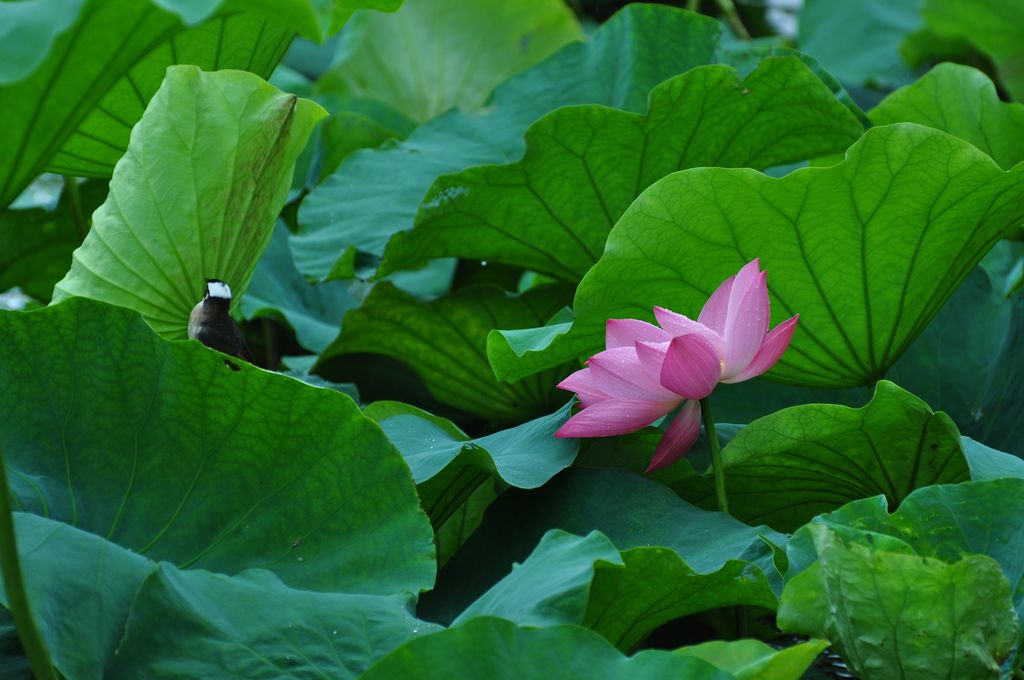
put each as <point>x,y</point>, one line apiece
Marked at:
<point>194,624</point>
<point>617,66</point>
<point>584,165</point>
<point>444,341</point>
<point>496,649</point>
<point>173,452</point>
<point>787,467</point>
<point>866,251</point>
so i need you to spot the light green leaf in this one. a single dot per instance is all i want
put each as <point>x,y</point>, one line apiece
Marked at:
<point>787,467</point>
<point>962,101</point>
<point>899,615</point>
<point>991,25</point>
<point>754,660</point>
<point>525,456</point>
<point>988,463</point>
<point>170,451</point>
<point>458,477</point>
<point>584,165</point>
<point>552,586</point>
<point>207,171</point>
<point>430,56</point>
<point>444,342</point>
<point>866,251</point>
<point>617,66</point>
<point>277,288</point>
<point>492,648</point>
<point>511,353</point>
<point>194,624</point>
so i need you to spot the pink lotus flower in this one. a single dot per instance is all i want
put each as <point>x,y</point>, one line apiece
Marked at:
<point>645,371</point>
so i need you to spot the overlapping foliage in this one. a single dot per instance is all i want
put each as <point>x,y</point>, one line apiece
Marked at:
<point>448,225</point>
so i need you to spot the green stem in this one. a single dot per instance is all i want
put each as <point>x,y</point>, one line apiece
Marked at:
<point>716,454</point>
<point>71,186</point>
<point>733,17</point>
<point>693,5</point>
<point>17,598</point>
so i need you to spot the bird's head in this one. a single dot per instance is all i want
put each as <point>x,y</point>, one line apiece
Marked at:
<point>217,290</point>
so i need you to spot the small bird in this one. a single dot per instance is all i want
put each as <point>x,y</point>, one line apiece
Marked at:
<point>211,324</point>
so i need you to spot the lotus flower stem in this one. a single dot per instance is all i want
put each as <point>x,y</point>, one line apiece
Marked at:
<point>17,598</point>
<point>717,466</point>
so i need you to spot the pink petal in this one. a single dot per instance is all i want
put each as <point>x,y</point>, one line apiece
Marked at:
<point>746,326</point>
<point>746,278</point>
<point>652,356</point>
<point>691,367</point>
<point>614,417</point>
<point>626,332</point>
<point>716,309</point>
<point>775,343</point>
<point>618,373</point>
<point>677,324</point>
<point>678,438</point>
<point>582,383</point>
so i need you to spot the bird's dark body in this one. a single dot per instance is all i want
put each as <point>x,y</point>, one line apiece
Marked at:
<point>211,324</point>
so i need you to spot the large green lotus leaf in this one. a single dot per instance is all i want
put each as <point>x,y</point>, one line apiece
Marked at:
<point>277,288</point>
<point>617,66</point>
<point>991,25</point>
<point>165,622</point>
<point>80,587</point>
<point>755,660</point>
<point>457,477</point>
<point>194,624</point>
<point>551,586</point>
<point>894,614</point>
<point>170,451</point>
<point>585,580</point>
<point>859,42</point>
<point>90,66</point>
<point>969,364</point>
<point>962,101</point>
<point>36,244</point>
<point>195,197</point>
<point>631,511</point>
<point>430,56</point>
<point>444,342</point>
<point>551,212</point>
<point>493,648</point>
<point>866,251</point>
<point>787,467</point>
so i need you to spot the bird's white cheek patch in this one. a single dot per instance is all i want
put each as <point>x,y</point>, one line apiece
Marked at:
<point>218,289</point>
